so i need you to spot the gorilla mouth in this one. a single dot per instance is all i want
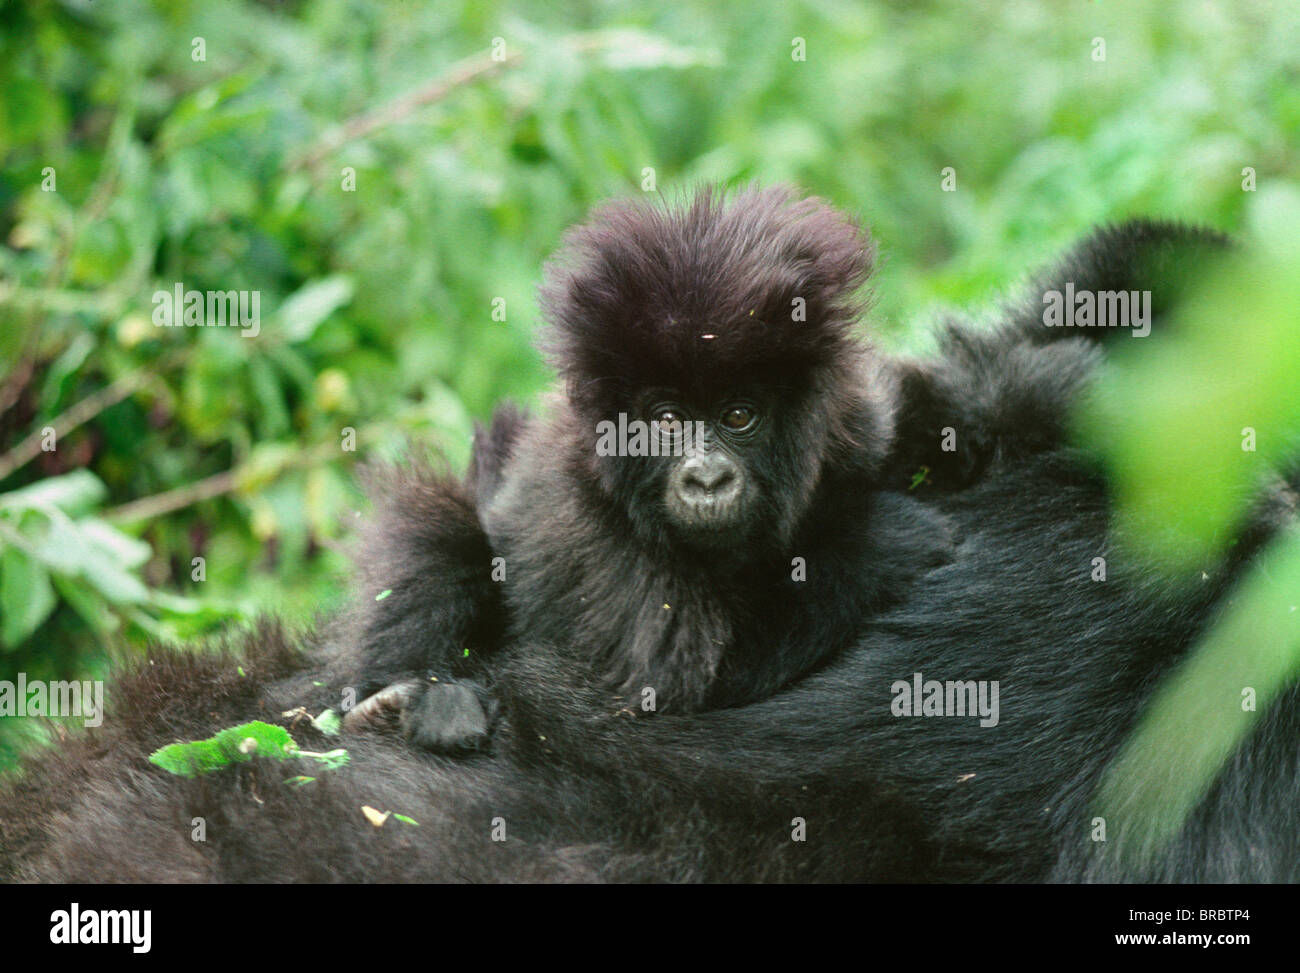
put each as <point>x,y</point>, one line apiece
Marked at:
<point>708,495</point>
<point>709,519</point>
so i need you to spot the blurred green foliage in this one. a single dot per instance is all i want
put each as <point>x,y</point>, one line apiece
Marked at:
<point>1194,428</point>
<point>231,172</point>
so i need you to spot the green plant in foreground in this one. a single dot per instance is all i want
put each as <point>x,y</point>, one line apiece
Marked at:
<point>1191,428</point>
<point>239,744</point>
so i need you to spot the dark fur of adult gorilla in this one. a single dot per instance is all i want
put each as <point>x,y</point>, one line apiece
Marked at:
<point>987,577</point>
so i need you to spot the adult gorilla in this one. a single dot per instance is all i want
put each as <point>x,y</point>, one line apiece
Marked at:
<point>818,779</point>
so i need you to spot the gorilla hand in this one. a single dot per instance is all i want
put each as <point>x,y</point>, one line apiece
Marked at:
<point>441,716</point>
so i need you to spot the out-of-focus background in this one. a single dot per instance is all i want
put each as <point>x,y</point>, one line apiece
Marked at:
<point>389,177</point>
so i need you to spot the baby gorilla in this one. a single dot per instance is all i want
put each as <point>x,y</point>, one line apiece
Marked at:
<point>696,515</point>
<point>718,498</point>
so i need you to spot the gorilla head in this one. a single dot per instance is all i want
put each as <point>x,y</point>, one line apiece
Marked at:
<point>720,333</point>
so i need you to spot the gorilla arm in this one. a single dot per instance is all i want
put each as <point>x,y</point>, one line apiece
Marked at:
<point>993,395</point>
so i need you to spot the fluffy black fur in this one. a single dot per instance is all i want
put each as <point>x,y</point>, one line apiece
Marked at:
<point>774,699</point>
<point>714,577</point>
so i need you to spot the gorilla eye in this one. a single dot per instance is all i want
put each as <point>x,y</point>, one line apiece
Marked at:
<point>668,421</point>
<point>741,417</point>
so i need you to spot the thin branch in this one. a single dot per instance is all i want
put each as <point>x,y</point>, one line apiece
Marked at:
<point>462,73</point>
<point>12,387</point>
<point>228,481</point>
<point>82,412</point>
<point>168,501</point>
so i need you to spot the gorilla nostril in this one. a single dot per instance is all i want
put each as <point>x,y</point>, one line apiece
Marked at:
<point>709,481</point>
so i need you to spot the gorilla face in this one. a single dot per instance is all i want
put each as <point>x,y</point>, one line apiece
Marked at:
<point>697,481</point>
<point>708,495</point>
<point>726,473</point>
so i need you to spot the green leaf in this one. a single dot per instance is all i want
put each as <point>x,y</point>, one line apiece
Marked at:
<point>114,582</point>
<point>238,744</point>
<point>304,310</point>
<point>112,543</point>
<point>328,723</point>
<point>63,368</point>
<point>93,611</point>
<point>26,596</point>
<point>1196,720</point>
<point>1192,423</point>
<point>272,416</point>
<point>330,760</point>
<point>57,541</point>
<point>80,491</point>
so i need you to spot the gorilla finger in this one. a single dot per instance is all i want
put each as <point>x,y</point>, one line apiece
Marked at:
<point>377,710</point>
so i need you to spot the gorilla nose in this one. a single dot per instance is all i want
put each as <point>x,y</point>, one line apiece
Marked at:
<point>708,481</point>
<point>709,477</point>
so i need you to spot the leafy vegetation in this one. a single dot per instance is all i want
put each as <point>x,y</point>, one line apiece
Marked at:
<point>389,189</point>
<point>240,744</point>
<point>1217,410</point>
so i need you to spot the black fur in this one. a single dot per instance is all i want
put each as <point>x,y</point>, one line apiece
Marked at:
<point>627,558</point>
<point>980,571</point>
